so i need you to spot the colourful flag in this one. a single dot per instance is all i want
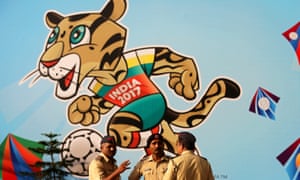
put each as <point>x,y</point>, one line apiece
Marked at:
<point>290,160</point>
<point>293,35</point>
<point>264,103</point>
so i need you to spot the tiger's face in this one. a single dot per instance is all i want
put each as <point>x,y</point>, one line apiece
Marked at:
<point>84,45</point>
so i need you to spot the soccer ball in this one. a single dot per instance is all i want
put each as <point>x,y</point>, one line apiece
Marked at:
<point>80,146</point>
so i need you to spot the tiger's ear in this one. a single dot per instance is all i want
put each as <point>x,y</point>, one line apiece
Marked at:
<point>114,9</point>
<point>53,18</point>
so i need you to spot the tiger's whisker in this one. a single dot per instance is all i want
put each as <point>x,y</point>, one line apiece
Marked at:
<point>34,80</point>
<point>29,75</point>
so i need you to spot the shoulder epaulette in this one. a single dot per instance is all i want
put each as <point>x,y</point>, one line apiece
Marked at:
<point>203,157</point>
<point>168,157</point>
<point>100,158</point>
<point>144,158</point>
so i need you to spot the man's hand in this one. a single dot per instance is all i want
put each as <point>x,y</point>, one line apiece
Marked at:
<point>124,166</point>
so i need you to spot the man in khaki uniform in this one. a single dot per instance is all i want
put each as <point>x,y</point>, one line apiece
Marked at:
<point>188,166</point>
<point>104,166</point>
<point>153,166</point>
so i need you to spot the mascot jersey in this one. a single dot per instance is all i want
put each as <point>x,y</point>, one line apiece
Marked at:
<point>136,93</point>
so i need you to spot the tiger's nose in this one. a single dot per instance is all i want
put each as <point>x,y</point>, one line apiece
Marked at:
<point>49,64</point>
<point>52,55</point>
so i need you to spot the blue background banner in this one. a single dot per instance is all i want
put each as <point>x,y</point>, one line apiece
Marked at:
<point>238,40</point>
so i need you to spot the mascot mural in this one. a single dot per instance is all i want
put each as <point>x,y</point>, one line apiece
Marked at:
<point>90,45</point>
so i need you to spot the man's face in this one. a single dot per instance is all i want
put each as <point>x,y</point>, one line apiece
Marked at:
<point>108,149</point>
<point>179,147</point>
<point>156,146</point>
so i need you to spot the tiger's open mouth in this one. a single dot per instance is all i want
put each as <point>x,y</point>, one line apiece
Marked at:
<point>66,81</point>
<point>65,72</point>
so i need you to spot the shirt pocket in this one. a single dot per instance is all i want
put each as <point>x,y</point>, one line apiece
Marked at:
<point>163,170</point>
<point>147,171</point>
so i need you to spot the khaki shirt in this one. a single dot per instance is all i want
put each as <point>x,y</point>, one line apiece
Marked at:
<point>189,166</point>
<point>150,169</point>
<point>101,167</point>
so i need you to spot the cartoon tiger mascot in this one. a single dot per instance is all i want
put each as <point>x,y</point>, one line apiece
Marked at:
<point>91,45</point>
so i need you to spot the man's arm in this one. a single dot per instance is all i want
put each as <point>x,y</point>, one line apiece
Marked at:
<point>210,172</point>
<point>171,171</point>
<point>95,173</point>
<point>124,166</point>
<point>136,172</point>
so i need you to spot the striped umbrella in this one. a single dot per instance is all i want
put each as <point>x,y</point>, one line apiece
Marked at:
<point>17,159</point>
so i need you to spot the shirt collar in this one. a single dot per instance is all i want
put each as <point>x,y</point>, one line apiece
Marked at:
<point>163,158</point>
<point>187,152</point>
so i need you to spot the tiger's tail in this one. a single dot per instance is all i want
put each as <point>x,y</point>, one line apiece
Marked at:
<point>219,89</point>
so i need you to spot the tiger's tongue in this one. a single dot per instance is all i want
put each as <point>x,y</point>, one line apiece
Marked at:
<point>68,78</point>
